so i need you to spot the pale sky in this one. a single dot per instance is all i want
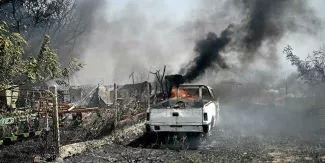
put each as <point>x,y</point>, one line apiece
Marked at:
<point>161,9</point>
<point>180,8</point>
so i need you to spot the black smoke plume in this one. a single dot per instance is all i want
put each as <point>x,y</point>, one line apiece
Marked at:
<point>261,22</point>
<point>175,80</point>
<point>208,55</point>
<point>269,20</point>
<point>264,20</point>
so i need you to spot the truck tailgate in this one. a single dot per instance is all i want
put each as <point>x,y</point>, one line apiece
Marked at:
<point>188,116</point>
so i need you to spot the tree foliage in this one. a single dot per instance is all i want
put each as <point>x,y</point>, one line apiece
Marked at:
<point>34,18</point>
<point>48,65</point>
<point>312,69</point>
<point>16,69</point>
<point>11,51</point>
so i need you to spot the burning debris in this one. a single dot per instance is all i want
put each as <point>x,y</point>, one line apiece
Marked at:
<point>184,94</point>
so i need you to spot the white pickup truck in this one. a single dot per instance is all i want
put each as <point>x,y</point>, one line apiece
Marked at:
<point>190,109</point>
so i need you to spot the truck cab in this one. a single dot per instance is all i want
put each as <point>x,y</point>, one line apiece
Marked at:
<point>189,109</point>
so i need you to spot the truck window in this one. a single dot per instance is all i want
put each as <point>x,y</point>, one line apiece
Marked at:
<point>185,93</point>
<point>206,94</point>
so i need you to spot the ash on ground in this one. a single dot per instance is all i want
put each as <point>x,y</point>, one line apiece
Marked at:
<point>250,136</point>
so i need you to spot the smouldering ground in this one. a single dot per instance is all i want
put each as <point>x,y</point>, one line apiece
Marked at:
<point>250,136</point>
<point>224,147</point>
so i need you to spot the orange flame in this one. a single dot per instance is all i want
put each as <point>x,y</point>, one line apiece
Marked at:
<point>183,94</point>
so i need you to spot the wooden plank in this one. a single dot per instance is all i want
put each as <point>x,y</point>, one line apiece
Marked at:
<point>80,110</point>
<point>77,148</point>
<point>76,110</point>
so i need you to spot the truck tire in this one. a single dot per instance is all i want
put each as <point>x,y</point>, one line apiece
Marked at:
<point>194,141</point>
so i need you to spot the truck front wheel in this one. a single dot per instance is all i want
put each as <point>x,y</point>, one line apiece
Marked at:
<point>194,141</point>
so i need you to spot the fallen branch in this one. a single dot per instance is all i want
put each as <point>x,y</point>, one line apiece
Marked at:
<point>76,148</point>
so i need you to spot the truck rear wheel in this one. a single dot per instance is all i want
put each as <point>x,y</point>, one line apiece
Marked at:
<point>194,141</point>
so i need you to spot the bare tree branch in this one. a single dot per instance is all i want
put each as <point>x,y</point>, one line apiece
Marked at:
<point>160,79</point>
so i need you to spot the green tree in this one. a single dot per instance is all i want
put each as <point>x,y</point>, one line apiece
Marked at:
<point>17,70</point>
<point>312,69</point>
<point>63,20</point>
<point>12,63</point>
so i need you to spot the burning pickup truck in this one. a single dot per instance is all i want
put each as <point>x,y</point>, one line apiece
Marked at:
<point>190,109</point>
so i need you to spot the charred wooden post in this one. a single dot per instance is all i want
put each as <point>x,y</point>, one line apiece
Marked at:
<point>47,119</point>
<point>56,120</point>
<point>148,94</point>
<point>48,100</point>
<point>160,79</point>
<point>115,105</point>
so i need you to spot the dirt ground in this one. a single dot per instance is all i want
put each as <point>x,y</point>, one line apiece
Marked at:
<point>241,136</point>
<point>222,146</point>
<point>249,136</point>
<point>26,151</point>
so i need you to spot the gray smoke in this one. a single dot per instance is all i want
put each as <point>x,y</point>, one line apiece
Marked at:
<point>268,21</point>
<point>130,39</point>
<point>263,26</point>
<point>208,54</point>
<point>126,39</point>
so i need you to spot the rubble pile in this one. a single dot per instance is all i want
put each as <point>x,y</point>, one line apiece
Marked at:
<point>132,100</point>
<point>94,126</point>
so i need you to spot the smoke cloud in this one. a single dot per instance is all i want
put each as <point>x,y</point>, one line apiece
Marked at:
<point>208,54</point>
<point>268,21</point>
<point>140,38</point>
<point>255,37</point>
<point>129,38</point>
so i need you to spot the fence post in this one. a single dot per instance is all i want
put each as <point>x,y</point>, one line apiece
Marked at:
<point>47,118</point>
<point>115,105</point>
<point>56,120</point>
<point>98,96</point>
<point>148,98</point>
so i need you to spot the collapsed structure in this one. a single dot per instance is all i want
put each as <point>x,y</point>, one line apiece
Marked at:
<point>28,109</point>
